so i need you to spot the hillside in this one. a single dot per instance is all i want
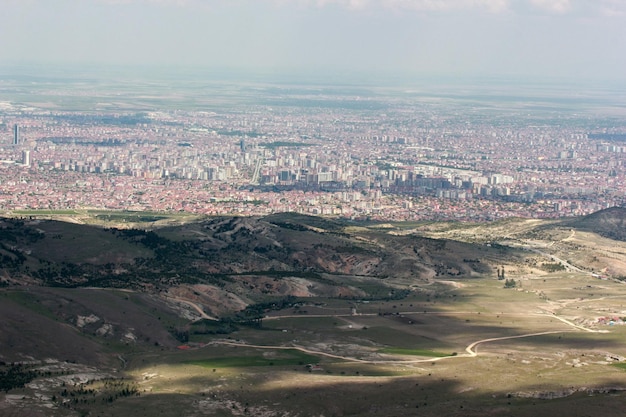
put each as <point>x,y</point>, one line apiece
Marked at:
<point>219,268</point>
<point>234,316</point>
<point>58,254</point>
<point>609,223</point>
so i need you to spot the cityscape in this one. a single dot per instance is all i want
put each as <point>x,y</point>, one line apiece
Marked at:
<point>355,152</point>
<point>312,208</point>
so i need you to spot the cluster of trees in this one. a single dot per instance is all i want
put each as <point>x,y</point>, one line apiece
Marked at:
<point>16,376</point>
<point>13,260</point>
<point>510,283</point>
<point>173,263</point>
<point>225,325</point>
<point>552,267</point>
<point>106,391</point>
<point>14,232</point>
<point>253,314</point>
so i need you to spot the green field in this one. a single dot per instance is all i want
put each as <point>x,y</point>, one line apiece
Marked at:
<point>107,217</point>
<point>283,358</point>
<point>415,352</point>
<point>42,212</point>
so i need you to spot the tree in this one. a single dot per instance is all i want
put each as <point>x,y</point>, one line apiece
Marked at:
<point>500,273</point>
<point>510,283</point>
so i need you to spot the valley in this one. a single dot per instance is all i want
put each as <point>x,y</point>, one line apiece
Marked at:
<point>290,315</point>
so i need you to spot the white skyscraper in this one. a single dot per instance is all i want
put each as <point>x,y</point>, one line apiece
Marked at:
<point>26,158</point>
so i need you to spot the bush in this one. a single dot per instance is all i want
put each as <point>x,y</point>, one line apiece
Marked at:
<point>510,283</point>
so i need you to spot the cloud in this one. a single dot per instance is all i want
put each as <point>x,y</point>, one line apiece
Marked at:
<point>415,5</point>
<point>554,6</point>
<point>155,2</point>
<point>612,7</point>
<point>563,7</point>
<point>448,5</point>
<point>350,4</point>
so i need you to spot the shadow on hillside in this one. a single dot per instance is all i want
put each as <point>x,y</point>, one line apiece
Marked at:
<point>315,395</point>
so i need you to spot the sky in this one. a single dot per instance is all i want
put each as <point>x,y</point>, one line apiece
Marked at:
<point>562,39</point>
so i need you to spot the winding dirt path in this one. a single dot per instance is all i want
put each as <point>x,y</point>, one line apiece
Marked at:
<point>472,352</point>
<point>193,305</point>
<point>576,326</point>
<point>471,349</point>
<point>295,347</point>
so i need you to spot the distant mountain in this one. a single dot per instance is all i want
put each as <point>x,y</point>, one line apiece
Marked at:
<point>609,223</point>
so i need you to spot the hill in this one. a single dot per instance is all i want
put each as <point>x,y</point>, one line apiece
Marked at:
<point>216,268</point>
<point>285,314</point>
<point>609,223</point>
<point>59,254</point>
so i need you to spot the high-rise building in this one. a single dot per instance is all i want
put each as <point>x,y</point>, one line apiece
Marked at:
<point>26,158</point>
<point>16,135</point>
<point>242,145</point>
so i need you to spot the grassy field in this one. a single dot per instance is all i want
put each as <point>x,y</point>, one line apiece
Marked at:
<point>536,363</point>
<point>415,352</point>
<point>121,218</point>
<point>541,351</point>
<point>275,358</point>
<point>44,212</point>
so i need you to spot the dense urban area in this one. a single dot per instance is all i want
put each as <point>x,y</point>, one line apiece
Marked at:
<point>385,156</point>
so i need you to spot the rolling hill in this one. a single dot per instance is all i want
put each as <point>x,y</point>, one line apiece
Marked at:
<point>215,316</point>
<point>609,223</point>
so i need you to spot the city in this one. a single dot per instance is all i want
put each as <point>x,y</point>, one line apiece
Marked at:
<point>307,208</point>
<point>356,153</point>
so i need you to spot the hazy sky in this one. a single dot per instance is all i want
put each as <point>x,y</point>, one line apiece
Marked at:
<point>567,39</point>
